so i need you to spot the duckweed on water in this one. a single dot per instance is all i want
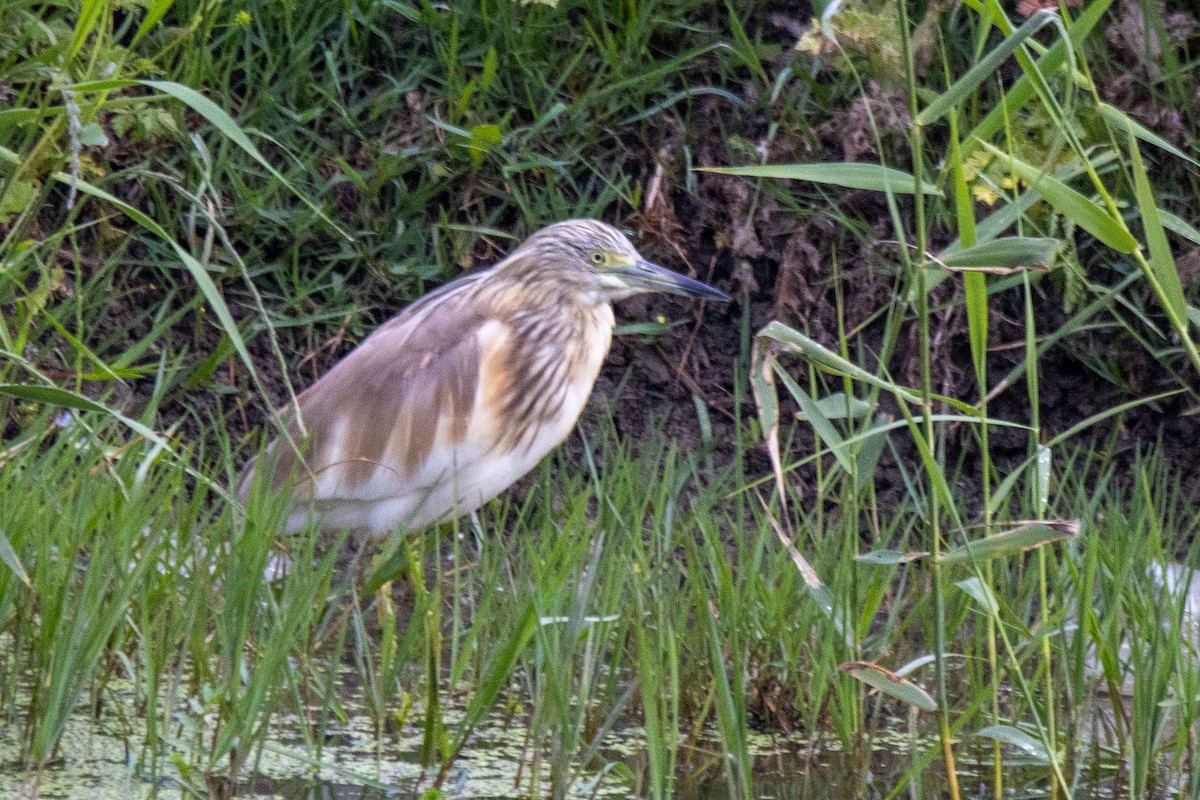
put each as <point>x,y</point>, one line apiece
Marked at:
<point>98,760</point>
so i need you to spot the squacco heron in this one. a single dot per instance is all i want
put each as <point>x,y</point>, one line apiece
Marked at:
<point>459,395</point>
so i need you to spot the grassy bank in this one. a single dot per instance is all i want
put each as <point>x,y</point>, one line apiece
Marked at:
<point>966,241</point>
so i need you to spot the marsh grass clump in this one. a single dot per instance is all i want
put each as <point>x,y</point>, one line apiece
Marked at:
<point>613,595</point>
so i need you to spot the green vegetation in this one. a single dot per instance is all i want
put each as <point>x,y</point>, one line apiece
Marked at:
<point>958,543</point>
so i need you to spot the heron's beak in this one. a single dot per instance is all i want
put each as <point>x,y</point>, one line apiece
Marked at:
<point>642,276</point>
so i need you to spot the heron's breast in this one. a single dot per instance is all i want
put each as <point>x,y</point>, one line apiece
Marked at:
<point>538,380</point>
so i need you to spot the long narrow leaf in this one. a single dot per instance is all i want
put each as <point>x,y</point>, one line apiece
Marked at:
<point>982,594</point>
<point>1018,540</point>
<point>1120,119</point>
<point>851,175</point>
<point>984,69</point>
<point>1009,252</point>
<point>1161,260</point>
<point>1179,225</point>
<point>496,675</point>
<point>9,557</point>
<point>824,357</point>
<point>818,420</point>
<point>1071,204</point>
<point>155,11</point>
<point>1017,738</point>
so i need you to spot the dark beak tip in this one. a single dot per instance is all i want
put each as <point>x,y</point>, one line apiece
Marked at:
<point>702,291</point>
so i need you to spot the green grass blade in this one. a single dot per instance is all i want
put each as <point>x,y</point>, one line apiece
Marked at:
<point>52,395</point>
<point>824,357</point>
<point>1179,226</point>
<point>155,11</point>
<point>729,720</point>
<point>1162,263</point>
<point>1017,738</point>
<point>890,558</point>
<point>1003,218</point>
<point>1018,540</point>
<point>1120,119</point>
<point>1006,253</point>
<point>850,175</point>
<point>983,69</point>
<point>1071,204</point>
<point>982,594</point>
<point>496,676</point>
<point>89,15</point>
<point>815,417</point>
<point>9,557</point>
<point>226,125</point>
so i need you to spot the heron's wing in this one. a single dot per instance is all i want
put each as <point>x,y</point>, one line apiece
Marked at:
<point>408,397</point>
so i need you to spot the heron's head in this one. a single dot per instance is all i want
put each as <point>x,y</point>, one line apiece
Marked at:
<point>598,258</point>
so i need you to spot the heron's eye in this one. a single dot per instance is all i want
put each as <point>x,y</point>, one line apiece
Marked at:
<point>597,257</point>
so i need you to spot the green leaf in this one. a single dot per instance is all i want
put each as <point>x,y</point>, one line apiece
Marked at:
<point>155,11</point>
<point>485,137</point>
<point>1017,540</point>
<point>1162,263</point>
<point>836,406</point>
<point>92,135</point>
<point>1071,204</point>
<point>1015,737</point>
<point>1007,253</point>
<point>647,328</point>
<point>984,69</point>
<point>9,557</point>
<point>488,76</point>
<point>89,15</point>
<point>851,175</point>
<point>16,197</point>
<point>814,416</point>
<point>890,684</point>
<point>53,396</point>
<point>1120,119</point>
<point>981,594</point>
<point>824,357</point>
<point>1179,226</point>
<point>1004,217</point>
<point>976,296</point>
<point>496,675</point>
<point>889,558</point>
